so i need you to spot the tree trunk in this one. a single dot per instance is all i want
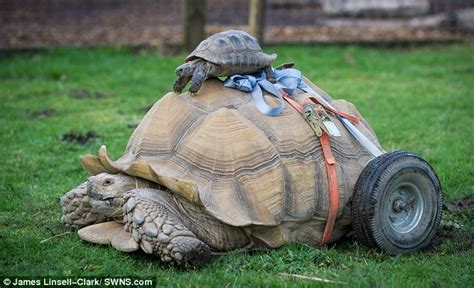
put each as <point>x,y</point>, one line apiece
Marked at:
<point>194,20</point>
<point>257,18</point>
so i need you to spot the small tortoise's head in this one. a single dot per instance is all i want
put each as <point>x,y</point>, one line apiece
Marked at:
<point>106,192</point>
<point>186,69</point>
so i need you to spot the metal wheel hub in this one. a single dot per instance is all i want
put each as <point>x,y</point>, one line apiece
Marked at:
<point>404,207</point>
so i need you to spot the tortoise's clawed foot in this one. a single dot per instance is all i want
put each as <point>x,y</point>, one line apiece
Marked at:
<point>177,86</point>
<point>189,250</point>
<point>194,90</point>
<point>180,83</point>
<point>199,75</point>
<point>77,209</point>
<point>195,86</point>
<point>156,226</point>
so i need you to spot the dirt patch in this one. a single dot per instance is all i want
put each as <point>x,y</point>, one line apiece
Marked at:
<point>44,113</point>
<point>456,232</point>
<point>86,94</point>
<point>79,138</point>
<point>452,240</point>
<point>460,205</point>
<point>99,95</point>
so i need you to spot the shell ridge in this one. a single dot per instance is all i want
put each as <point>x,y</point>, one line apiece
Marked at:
<point>259,125</point>
<point>275,161</point>
<point>216,136</point>
<point>184,187</point>
<point>139,133</point>
<point>92,164</point>
<point>107,162</point>
<point>186,133</point>
<point>245,218</point>
<point>287,201</point>
<point>242,196</point>
<point>211,173</point>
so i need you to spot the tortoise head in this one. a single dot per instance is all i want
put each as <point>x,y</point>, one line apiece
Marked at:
<point>186,69</point>
<point>106,192</point>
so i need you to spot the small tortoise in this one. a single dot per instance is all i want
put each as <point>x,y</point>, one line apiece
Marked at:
<point>223,54</point>
<point>211,173</point>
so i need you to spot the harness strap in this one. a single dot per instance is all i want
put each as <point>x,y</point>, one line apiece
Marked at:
<point>333,187</point>
<point>352,118</point>
<point>330,162</point>
<point>292,102</point>
<point>299,107</point>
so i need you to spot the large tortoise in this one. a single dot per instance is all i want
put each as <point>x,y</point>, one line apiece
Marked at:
<point>212,173</point>
<point>223,54</point>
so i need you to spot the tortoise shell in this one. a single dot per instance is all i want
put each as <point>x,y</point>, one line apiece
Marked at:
<point>246,168</point>
<point>233,49</point>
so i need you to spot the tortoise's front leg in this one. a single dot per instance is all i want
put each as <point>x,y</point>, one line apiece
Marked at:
<point>153,221</point>
<point>200,73</point>
<point>77,209</point>
<point>269,73</point>
<point>180,83</point>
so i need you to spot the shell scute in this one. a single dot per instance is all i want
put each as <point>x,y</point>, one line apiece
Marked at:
<point>217,145</point>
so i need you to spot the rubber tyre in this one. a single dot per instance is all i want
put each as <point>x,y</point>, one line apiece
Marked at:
<point>380,216</point>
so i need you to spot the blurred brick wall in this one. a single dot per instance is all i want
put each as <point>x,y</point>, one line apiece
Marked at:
<point>40,23</point>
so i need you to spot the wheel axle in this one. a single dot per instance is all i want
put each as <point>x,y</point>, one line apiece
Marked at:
<point>399,205</point>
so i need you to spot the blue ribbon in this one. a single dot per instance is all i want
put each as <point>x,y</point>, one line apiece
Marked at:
<point>287,79</point>
<point>253,84</point>
<point>291,79</point>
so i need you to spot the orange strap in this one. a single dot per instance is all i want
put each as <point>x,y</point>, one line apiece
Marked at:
<point>352,118</point>
<point>293,103</point>
<point>331,172</point>
<point>333,187</point>
<point>299,107</point>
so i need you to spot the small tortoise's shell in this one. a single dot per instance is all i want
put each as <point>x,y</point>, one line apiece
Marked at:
<point>217,150</point>
<point>233,50</point>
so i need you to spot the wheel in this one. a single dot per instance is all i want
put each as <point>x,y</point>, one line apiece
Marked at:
<point>397,203</point>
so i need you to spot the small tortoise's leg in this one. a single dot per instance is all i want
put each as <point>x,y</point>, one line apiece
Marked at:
<point>77,209</point>
<point>269,73</point>
<point>213,70</point>
<point>199,75</point>
<point>180,83</point>
<point>156,225</point>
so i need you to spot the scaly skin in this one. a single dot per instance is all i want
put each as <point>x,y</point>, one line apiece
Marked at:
<point>180,83</point>
<point>76,209</point>
<point>269,74</point>
<point>157,227</point>
<point>195,71</point>
<point>199,75</point>
<point>161,222</point>
<point>185,73</point>
<point>83,205</point>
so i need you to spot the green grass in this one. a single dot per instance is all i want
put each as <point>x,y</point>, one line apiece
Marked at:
<point>419,99</point>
